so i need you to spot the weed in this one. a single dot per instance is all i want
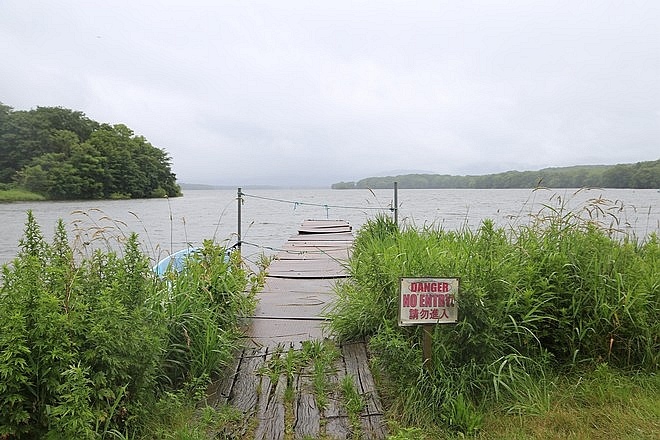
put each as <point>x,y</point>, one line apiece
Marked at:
<point>91,346</point>
<point>354,403</point>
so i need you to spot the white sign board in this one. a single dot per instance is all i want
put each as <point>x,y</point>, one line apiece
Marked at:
<point>428,301</point>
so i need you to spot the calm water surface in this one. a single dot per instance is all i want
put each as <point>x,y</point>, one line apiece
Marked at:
<point>269,217</point>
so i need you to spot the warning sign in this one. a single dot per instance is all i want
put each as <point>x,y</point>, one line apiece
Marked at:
<point>428,301</point>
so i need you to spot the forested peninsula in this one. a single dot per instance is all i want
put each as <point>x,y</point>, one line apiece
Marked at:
<point>57,153</point>
<point>638,175</point>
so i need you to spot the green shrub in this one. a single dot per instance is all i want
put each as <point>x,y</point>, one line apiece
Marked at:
<point>89,347</point>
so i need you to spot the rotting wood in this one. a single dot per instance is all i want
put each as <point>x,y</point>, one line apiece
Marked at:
<point>244,393</point>
<point>266,389</point>
<point>217,393</point>
<point>306,415</point>
<point>258,398</point>
<point>271,421</point>
<point>337,425</point>
<point>355,357</point>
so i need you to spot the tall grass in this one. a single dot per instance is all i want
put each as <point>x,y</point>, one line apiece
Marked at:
<point>205,305</point>
<point>565,292</point>
<point>89,347</point>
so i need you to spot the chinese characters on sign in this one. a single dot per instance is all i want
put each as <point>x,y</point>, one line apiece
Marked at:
<point>428,301</point>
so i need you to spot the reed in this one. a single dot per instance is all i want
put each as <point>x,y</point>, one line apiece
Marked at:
<point>569,291</point>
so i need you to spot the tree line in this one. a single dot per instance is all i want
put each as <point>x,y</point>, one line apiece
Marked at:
<point>637,175</point>
<point>62,154</point>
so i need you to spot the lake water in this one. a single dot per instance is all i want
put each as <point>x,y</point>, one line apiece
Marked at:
<point>270,216</point>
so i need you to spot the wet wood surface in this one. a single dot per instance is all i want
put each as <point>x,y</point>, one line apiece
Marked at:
<point>264,403</point>
<point>298,289</point>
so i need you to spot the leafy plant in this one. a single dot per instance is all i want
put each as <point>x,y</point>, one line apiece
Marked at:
<point>88,347</point>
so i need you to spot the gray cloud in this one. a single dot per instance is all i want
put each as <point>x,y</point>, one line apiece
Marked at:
<point>309,93</point>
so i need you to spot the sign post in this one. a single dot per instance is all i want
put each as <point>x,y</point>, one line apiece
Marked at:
<point>428,301</point>
<point>427,346</point>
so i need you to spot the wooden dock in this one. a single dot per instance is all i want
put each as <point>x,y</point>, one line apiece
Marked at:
<point>298,289</point>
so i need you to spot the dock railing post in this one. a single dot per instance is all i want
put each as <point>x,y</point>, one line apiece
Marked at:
<point>239,198</point>
<point>396,204</point>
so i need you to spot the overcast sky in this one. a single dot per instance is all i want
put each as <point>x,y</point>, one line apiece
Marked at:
<point>315,92</point>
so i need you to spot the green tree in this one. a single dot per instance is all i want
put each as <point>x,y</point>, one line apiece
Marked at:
<point>62,154</point>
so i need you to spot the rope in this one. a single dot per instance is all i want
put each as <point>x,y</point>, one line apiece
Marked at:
<point>295,204</point>
<point>322,205</point>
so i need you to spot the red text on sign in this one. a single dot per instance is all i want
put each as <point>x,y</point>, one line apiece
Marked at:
<point>430,286</point>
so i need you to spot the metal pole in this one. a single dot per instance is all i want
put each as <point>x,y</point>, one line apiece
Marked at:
<point>396,203</point>
<point>238,229</point>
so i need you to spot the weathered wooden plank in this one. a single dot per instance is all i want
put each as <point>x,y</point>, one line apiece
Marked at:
<point>244,394</point>
<point>267,387</point>
<point>293,305</point>
<point>315,246</point>
<point>337,236</point>
<point>299,268</point>
<point>324,271</point>
<point>271,421</point>
<point>217,394</point>
<point>317,254</point>
<point>355,357</point>
<point>337,425</point>
<point>310,274</point>
<point>310,232</point>
<point>373,427</point>
<point>274,332</point>
<point>301,265</point>
<point>332,253</point>
<point>306,415</point>
<point>324,223</point>
<point>326,230</point>
<point>285,287</point>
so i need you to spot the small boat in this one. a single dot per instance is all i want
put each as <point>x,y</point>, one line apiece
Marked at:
<point>175,262</point>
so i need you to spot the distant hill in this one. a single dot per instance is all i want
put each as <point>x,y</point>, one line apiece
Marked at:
<point>198,186</point>
<point>637,175</point>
